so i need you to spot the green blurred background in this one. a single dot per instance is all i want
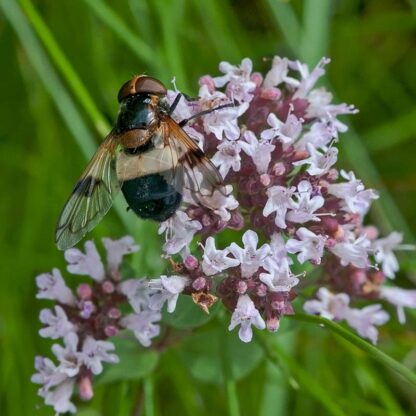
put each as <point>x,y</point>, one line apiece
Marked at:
<point>62,62</point>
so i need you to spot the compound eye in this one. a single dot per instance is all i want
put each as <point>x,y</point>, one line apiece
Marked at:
<point>128,88</point>
<point>141,84</point>
<point>149,85</point>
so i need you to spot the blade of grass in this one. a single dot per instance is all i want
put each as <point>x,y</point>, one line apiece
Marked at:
<point>285,17</point>
<point>53,85</point>
<point>373,352</point>
<point>314,35</point>
<point>231,391</point>
<point>49,78</point>
<point>393,132</point>
<point>279,357</point>
<point>65,67</point>
<point>170,19</point>
<point>141,49</point>
<point>218,18</point>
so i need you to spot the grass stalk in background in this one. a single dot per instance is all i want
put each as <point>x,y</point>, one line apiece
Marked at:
<point>65,67</point>
<point>141,49</point>
<point>148,387</point>
<point>371,350</point>
<point>306,382</point>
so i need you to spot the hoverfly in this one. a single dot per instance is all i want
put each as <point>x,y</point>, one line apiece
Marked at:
<point>148,156</point>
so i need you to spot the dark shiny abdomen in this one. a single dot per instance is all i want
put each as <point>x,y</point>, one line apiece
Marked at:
<point>151,197</point>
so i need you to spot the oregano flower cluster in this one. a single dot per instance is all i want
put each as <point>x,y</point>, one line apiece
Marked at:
<point>295,210</point>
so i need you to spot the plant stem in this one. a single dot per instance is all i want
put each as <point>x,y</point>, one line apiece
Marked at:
<point>374,352</point>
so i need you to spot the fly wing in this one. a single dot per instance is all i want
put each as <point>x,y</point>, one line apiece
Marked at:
<point>92,196</point>
<point>194,174</point>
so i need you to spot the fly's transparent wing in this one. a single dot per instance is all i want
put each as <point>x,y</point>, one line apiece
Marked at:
<point>194,174</point>
<point>92,196</point>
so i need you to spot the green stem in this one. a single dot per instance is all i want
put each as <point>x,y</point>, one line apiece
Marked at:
<point>281,359</point>
<point>148,386</point>
<point>65,67</point>
<point>232,398</point>
<point>374,352</point>
<point>231,391</point>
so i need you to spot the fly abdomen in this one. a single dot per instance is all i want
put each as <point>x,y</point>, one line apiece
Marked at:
<point>151,197</point>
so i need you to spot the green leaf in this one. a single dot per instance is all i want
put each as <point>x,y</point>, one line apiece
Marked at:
<point>187,314</point>
<point>135,362</point>
<point>204,354</point>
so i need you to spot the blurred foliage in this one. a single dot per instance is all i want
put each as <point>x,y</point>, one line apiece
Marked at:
<point>62,64</point>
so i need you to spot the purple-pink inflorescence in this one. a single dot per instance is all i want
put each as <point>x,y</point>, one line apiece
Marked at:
<point>276,150</point>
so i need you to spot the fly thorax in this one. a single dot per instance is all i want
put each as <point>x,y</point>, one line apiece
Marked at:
<point>136,112</point>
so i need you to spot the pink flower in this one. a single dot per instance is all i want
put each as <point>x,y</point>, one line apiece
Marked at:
<point>216,261</point>
<point>117,249</point>
<point>286,132</point>
<point>365,320</point>
<point>279,74</point>
<point>356,198</point>
<point>330,306</point>
<point>143,325</point>
<point>306,204</point>
<point>250,257</point>
<point>319,163</point>
<point>166,289</point>
<point>94,353</point>
<point>245,315</point>
<point>85,264</point>
<point>227,157</point>
<point>181,229</point>
<point>57,323</point>
<point>383,248</point>
<point>259,151</point>
<point>352,250</point>
<point>52,286</point>
<point>309,246</point>
<point>401,298</point>
<point>280,200</point>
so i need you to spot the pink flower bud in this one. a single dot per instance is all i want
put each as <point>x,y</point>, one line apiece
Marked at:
<point>199,283</point>
<point>278,305</point>
<point>116,275</point>
<point>191,262</point>
<point>87,309</point>
<point>359,277</point>
<point>85,388</point>
<point>111,330</point>
<point>261,290</point>
<point>271,93</point>
<point>114,313</point>
<point>257,78</point>
<point>279,169</point>
<point>237,221</point>
<point>107,287</point>
<point>84,291</point>
<point>265,179</point>
<point>330,242</point>
<point>371,232</point>
<point>208,81</point>
<point>241,287</point>
<point>273,323</point>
